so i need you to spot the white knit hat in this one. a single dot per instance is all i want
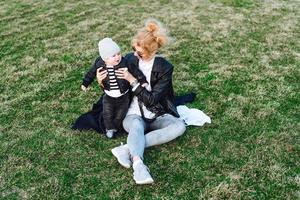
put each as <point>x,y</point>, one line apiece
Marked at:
<point>108,48</point>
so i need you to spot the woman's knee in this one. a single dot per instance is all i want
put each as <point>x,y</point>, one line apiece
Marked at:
<point>180,128</point>
<point>133,124</point>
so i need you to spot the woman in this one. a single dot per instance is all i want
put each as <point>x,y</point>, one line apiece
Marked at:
<point>152,108</point>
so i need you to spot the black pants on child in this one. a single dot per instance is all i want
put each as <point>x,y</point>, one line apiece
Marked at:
<point>114,110</point>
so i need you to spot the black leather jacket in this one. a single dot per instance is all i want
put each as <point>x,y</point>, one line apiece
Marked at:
<point>161,97</point>
<point>123,84</point>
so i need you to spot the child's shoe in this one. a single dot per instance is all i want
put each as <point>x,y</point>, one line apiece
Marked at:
<point>110,133</point>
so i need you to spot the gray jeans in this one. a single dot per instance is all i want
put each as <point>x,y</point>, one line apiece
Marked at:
<point>164,129</point>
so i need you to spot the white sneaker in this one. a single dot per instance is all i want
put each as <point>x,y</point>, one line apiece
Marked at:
<point>141,173</point>
<point>122,154</point>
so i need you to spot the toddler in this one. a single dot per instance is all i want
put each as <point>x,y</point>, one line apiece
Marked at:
<point>116,99</point>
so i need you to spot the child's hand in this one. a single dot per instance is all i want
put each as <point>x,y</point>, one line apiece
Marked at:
<point>83,88</point>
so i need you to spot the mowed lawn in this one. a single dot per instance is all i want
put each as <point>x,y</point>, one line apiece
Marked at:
<point>241,57</point>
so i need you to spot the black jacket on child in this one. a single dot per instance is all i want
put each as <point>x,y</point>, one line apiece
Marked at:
<point>122,83</point>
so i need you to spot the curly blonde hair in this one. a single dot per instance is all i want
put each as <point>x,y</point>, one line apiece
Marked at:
<point>151,37</point>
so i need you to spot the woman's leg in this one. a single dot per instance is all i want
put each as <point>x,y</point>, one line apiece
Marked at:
<point>135,126</point>
<point>164,129</point>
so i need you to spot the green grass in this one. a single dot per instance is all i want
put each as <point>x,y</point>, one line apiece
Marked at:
<point>241,57</point>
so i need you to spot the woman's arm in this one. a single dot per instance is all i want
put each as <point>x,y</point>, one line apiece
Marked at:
<point>137,73</point>
<point>150,98</point>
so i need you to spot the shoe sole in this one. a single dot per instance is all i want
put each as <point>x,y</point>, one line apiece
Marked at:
<point>147,181</point>
<point>114,152</point>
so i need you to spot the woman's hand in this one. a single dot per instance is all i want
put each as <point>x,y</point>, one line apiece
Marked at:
<point>123,73</point>
<point>101,76</point>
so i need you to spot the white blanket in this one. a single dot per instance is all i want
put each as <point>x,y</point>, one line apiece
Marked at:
<point>192,116</point>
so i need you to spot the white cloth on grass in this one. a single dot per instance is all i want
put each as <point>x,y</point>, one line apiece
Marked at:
<point>193,116</point>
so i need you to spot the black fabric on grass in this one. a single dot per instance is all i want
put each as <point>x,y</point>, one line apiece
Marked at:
<point>93,120</point>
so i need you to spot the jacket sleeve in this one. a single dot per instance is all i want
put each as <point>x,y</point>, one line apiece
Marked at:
<point>138,74</point>
<point>91,74</point>
<point>164,83</point>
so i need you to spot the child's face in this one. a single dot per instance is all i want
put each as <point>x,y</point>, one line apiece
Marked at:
<point>114,60</point>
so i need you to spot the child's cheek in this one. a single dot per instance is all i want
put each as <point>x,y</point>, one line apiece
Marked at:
<point>109,61</point>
